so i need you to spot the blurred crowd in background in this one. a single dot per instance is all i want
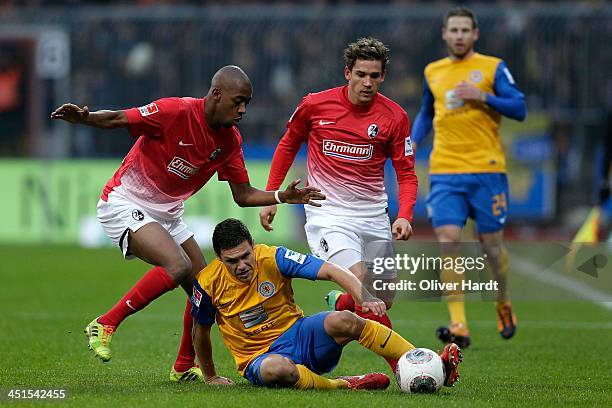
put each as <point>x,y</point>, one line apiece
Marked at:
<point>125,55</point>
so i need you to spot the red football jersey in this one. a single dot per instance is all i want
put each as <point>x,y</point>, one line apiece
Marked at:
<point>347,148</point>
<point>175,155</point>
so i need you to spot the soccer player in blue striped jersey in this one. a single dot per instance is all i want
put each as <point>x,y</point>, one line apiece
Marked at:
<point>247,291</point>
<point>464,97</point>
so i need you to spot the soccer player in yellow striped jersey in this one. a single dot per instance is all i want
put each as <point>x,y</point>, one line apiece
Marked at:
<point>247,291</point>
<point>464,97</point>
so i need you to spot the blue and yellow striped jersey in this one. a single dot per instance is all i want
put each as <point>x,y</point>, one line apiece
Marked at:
<point>466,133</point>
<point>252,315</point>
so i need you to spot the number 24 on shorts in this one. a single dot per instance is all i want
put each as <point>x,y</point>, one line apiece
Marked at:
<point>500,204</point>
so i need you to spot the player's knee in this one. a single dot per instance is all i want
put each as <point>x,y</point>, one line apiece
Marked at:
<point>345,324</point>
<point>448,236</point>
<point>278,371</point>
<point>180,268</point>
<point>493,250</point>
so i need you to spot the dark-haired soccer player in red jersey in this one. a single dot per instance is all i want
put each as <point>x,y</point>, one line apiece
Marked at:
<point>182,143</point>
<point>351,131</point>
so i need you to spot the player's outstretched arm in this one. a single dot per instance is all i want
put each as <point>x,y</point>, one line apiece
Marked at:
<point>349,282</point>
<point>105,119</point>
<point>401,152</point>
<point>267,213</point>
<point>203,349</point>
<point>246,195</point>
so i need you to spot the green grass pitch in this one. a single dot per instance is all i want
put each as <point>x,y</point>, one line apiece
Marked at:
<point>560,355</point>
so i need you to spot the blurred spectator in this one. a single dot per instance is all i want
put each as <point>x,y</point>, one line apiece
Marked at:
<point>125,55</point>
<point>12,92</point>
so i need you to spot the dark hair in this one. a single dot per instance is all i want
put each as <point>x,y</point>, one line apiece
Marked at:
<point>229,234</point>
<point>460,12</point>
<point>366,48</point>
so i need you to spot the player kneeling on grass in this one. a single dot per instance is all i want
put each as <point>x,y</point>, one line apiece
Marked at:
<point>247,289</point>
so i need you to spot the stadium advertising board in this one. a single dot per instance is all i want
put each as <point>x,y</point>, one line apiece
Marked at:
<point>531,171</point>
<point>54,202</point>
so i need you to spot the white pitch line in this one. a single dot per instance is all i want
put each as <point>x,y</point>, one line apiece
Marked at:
<point>162,317</point>
<point>534,271</point>
<point>532,324</point>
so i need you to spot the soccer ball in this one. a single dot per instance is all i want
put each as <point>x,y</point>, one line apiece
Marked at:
<point>420,371</point>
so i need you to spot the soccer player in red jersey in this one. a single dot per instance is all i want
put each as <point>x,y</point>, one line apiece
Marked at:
<point>351,131</point>
<point>181,143</point>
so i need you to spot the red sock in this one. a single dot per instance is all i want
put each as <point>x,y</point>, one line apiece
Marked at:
<point>345,302</point>
<point>152,285</point>
<point>186,354</point>
<point>385,321</point>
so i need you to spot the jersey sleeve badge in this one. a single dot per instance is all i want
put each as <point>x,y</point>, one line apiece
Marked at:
<point>197,297</point>
<point>408,147</point>
<point>149,109</point>
<point>295,256</point>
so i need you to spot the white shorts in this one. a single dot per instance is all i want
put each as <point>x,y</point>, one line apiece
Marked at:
<point>118,215</point>
<point>363,239</point>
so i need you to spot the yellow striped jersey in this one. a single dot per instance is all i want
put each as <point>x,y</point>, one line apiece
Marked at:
<point>252,315</point>
<point>466,133</point>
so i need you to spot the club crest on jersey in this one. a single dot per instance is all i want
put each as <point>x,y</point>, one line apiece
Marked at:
<point>347,151</point>
<point>372,130</point>
<point>137,215</point>
<point>324,245</point>
<point>148,109</point>
<point>182,168</point>
<point>476,76</point>
<point>266,289</point>
<point>214,154</point>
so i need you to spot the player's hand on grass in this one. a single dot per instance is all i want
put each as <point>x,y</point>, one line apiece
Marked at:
<point>266,216</point>
<point>401,229</point>
<point>294,195</point>
<point>218,380</point>
<point>469,92</point>
<point>374,305</point>
<point>71,113</point>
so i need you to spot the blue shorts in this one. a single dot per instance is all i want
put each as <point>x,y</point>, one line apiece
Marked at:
<point>481,196</point>
<point>305,343</point>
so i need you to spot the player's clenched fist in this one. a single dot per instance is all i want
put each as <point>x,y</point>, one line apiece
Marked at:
<point>401,229</point>
<point>71,113</point>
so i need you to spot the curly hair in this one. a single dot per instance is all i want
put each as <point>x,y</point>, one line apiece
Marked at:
<point>366,48</point>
